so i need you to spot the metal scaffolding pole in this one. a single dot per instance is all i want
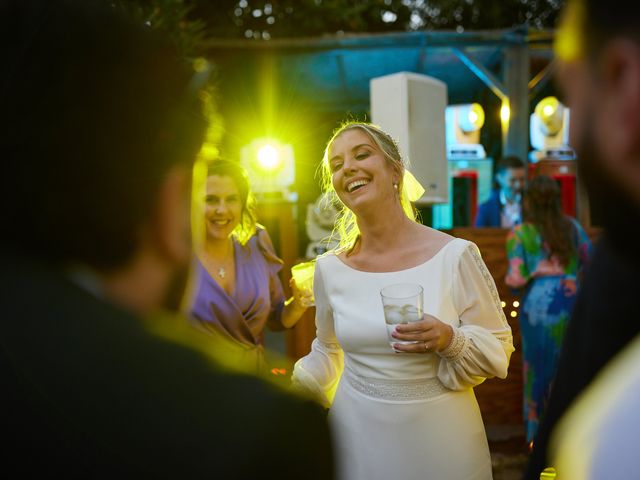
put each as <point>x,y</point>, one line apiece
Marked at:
<point>516,81</point>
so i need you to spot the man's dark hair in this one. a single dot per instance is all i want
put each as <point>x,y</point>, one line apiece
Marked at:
<point>510,161</point>
<point>95,110</point>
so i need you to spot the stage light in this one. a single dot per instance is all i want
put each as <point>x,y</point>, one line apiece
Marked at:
<point>471,118</point>
<point>463,124</point>
<point>549,131</point>
<point>271,168</point>
<point>268,158</point>
<point>550,112</point>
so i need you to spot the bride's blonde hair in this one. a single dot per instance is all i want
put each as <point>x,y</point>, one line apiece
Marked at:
<point>346,227</point>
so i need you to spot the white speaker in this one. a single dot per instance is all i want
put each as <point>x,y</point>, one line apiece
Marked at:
<point>411,108</point>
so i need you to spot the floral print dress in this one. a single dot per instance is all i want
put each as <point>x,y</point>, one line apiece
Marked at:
<point>549,294</point>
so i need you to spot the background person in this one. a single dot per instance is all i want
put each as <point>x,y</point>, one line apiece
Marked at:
<point>547,254</point>
<point>503,209</point>
<point>238,292</point>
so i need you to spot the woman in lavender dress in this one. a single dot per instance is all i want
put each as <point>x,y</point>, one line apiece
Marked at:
<point>237,291</point>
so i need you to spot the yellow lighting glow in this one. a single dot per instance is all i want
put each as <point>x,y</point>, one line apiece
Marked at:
<point>476,115</point>
<point>513,313</point>
<point>569,41</point>
<point>209,151</point>
<point>548,473</point>
<point>504,304</point>
<point>268,157</point>
<point>547,107</point>
<point>505,112</point>
<point>516,304</point>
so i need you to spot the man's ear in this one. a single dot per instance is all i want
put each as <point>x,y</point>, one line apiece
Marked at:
<point>619,126</point>
<point>171,227</point>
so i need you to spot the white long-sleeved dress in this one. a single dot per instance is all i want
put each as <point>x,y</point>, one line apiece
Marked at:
<point>406,416</point>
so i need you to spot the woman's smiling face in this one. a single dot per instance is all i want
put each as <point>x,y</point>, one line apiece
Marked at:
<point>360,171</point>
<point>223,207</point>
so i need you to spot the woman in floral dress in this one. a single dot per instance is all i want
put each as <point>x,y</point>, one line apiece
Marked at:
<point>547,253</point>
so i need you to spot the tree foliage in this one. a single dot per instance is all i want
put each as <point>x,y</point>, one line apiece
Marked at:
<point>191,21</point>
<point>264,19</point>
<point>173,17</point>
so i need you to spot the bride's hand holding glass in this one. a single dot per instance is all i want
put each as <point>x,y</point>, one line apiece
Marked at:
<point>429,335</point>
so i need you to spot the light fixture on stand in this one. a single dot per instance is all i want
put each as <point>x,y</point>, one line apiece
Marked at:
<point>271,168</point>
<point>549,131</point>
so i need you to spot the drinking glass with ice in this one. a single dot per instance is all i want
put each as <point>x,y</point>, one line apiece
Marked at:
<point>402,303</point>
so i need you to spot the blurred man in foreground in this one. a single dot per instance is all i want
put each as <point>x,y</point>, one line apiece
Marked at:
<point>101,124</point>
<point>598,46</point>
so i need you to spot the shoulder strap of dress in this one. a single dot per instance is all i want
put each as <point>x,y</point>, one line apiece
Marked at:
<point>265,245</point>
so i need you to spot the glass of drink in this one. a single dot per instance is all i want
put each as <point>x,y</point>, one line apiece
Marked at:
<point>302,273</point>
<point>402,303</point>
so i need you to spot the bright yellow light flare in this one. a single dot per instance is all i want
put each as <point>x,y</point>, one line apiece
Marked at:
<point>547,107</point>
<point>505,112</point>
<point>513,313</point>
<point>268,157</point>
<point>516,304</point>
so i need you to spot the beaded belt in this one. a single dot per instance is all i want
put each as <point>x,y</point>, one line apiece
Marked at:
<point>396,389</point>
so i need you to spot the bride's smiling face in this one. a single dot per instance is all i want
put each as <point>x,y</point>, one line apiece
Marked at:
<point>360,172</point>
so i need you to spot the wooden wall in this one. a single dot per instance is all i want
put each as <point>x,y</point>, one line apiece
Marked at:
<point>500,400</point>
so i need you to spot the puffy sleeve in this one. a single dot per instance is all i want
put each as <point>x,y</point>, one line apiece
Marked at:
<point>276,292</point>
<point>482,343</point>
<point>517,274</point>
<point>318,373</point>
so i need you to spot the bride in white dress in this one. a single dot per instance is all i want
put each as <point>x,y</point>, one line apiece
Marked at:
<point>407,412</point>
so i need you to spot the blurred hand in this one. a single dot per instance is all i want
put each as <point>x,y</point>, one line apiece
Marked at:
<point>302,297</point>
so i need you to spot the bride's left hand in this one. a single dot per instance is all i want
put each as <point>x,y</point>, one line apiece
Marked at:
<point>431,335</point>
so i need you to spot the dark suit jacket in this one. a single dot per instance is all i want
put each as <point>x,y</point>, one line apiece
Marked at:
<point>489,212</point>
<point>89,392</point>
<point>604,320</point>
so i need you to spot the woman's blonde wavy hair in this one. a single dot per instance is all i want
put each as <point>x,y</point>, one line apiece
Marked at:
<point>346,227</point>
